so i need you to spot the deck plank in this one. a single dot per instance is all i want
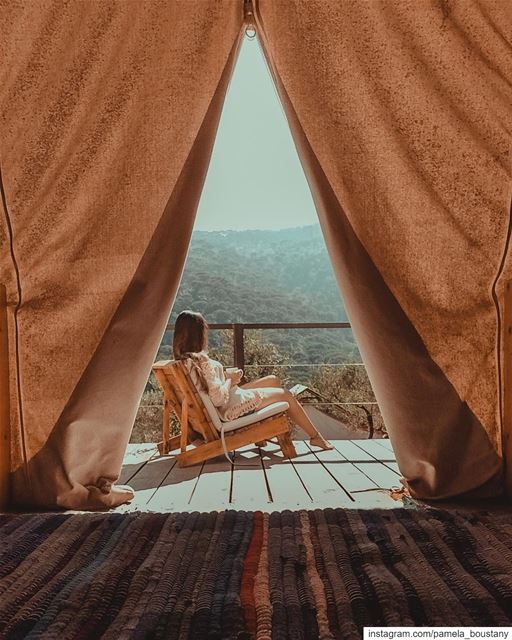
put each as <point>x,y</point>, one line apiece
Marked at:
<point>363,489</point>
<point>321,486</point>
<point>264,479</point>
<point>175,492</point>
<point>385,470</point>
<point>286,488</point>
<point>394,466</point>
<point>213,486</point>
<point>351,451</point>
<point>375,449</point>
<point>135,457</point>
<point>382,475</point>
<point>146,482</point>
<point>384,442</point>
<point>249,490</point>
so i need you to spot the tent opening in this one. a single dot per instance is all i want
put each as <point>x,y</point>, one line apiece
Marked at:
<point>258,257</point>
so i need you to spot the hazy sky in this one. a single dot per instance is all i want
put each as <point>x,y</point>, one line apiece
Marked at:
<point>255,180</point>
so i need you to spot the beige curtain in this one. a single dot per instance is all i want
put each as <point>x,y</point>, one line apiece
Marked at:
<point>402,116</point>
<point>401,112</point>
<point>108,113</point>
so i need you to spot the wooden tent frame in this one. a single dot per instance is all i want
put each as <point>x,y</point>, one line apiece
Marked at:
<point>5,418</point>
<point>182,398</point>
<point>506,442</point>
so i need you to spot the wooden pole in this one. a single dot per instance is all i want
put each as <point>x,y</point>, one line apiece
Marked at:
<point>507,387</point>
<point>238,346</point>
<point>5,437</point>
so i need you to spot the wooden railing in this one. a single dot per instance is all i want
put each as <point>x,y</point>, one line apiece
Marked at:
<point>239,329</point>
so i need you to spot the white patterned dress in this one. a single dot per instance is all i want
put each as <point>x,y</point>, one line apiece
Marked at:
<point>230,400</point>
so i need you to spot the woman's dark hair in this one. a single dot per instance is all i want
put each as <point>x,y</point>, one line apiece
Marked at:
<point>190,334</point>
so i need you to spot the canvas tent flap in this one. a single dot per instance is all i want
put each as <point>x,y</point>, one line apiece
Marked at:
<point>108,113</point>
<point>401,113</point>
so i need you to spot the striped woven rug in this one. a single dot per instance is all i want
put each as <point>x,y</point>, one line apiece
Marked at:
<point>305,574</point>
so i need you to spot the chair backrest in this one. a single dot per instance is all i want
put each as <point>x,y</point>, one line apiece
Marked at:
<point>209,407</point>
<point>174,378</point>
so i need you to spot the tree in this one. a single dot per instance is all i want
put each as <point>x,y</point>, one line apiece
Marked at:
<point>349,384</point>
<point>264,359</point>
<point>261,358</point>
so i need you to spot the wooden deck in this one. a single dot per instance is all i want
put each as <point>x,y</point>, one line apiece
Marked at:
<point>356,474</point>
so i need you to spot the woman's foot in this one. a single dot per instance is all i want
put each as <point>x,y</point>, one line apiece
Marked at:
<point>320,441</point>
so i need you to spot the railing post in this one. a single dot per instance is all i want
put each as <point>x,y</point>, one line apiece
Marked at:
<point>238,345</point>
<point>5,418</point>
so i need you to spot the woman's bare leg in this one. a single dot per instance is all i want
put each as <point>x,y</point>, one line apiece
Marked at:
<point>266,381</point>
<point>296,413</point>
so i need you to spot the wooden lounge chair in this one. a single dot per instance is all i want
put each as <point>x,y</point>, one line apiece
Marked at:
<point>201,425</point>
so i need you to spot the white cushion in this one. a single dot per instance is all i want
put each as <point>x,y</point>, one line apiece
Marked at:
<point>243,421</point>
<point>256,416</point>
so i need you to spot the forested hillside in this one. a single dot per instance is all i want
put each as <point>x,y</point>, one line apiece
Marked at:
<point>260,276</point>
<point>268,276</point>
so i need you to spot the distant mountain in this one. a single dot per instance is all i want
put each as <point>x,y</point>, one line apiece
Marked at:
<point>268,276</point>
<point>260,276</point>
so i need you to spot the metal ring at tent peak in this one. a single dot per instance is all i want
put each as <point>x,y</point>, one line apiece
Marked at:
<point>250,29</point>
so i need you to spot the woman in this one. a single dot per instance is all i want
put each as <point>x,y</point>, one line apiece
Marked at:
<point>231,399</point>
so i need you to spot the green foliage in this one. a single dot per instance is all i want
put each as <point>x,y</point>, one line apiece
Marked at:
<point>344,384</point>
<point>349,384</point>
<point>148,424</point>
<point>260,276</point>
<point>264,359</point>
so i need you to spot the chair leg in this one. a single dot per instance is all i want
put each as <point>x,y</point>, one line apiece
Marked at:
<point>286,444</point>
<point>169,445</point>
<point>163,445</point>
<point>261,443</point>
